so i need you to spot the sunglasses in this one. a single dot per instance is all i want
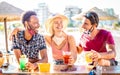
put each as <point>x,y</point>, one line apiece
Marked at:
<point>91,17</point>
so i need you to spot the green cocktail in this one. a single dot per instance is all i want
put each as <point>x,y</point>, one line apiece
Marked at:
<point>23,62</point>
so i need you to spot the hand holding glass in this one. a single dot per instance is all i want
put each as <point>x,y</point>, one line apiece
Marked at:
<point>23,62</point>
<point>66,56</point>
<point>88,57</point>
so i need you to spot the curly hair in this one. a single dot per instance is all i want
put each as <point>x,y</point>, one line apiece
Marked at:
<point>26,16</point>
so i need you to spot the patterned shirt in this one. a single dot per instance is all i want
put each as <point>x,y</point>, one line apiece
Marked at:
<point>30,48</point>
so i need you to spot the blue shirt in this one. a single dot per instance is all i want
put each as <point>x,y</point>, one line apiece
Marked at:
<point>30,48</point>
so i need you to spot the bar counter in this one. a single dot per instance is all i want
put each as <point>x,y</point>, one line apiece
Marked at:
<point>80,70</point>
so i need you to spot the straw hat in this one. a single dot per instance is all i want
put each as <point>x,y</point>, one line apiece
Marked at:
<point>49,22</point>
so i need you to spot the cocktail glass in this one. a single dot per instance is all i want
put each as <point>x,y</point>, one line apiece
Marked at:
<point>1,61</point>
<point>66,56</point>
<point>88,57</point>
<point>44,67</point>
<point>23,62</point>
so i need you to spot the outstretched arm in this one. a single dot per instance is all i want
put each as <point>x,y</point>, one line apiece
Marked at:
<point>111,53</point>
<point>17,53</point>
<point>72,45</point>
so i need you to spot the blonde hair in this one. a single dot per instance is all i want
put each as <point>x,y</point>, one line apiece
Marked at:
<point>50,21</point>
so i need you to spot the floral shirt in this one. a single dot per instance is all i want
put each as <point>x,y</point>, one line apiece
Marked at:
<point>30,48</point>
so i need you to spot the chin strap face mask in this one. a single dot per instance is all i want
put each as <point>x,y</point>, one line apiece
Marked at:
<point>89,31</point>
<point>31,30</point>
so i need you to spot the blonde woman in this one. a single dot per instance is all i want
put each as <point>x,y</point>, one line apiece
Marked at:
<point>58,40</point>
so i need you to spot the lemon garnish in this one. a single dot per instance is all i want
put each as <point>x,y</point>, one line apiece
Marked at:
<point>23,56</point>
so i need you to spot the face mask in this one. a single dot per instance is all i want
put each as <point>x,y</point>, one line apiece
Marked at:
<point>31,30</point>
<point>89,31</point>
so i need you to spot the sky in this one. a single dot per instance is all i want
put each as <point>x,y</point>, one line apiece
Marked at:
<point>57,6</point>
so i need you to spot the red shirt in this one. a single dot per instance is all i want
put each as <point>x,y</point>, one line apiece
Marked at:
<point>101,39</point>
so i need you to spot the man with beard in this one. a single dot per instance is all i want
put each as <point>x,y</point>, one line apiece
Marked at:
<point>29,42</point>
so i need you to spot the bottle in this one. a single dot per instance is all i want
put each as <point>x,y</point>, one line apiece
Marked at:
<point>92,72</point>
<point>98,70</point>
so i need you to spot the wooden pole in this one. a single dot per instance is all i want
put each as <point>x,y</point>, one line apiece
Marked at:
<point>5,28</point>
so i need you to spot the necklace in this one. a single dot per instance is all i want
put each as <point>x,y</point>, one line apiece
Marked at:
<point>58,40</point>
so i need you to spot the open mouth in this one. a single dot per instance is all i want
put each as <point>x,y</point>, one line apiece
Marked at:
<point>59,28</point>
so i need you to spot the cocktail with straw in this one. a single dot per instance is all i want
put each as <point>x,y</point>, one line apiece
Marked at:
<point>23,60</point>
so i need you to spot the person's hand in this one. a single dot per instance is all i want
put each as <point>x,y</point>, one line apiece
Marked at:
<point>95,55</point>
<point>71,60</point>
<point>14,32</point>
<point>103,62</point>
<point>31,66</point>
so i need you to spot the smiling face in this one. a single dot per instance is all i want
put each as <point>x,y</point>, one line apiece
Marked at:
<point>33,25</point>
<point>58,25</point>
<point>86,24</point>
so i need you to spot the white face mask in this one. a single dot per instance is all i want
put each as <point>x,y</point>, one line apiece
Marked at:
<point>89,31</point>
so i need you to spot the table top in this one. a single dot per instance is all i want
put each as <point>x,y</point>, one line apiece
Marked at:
<point>80,70</point>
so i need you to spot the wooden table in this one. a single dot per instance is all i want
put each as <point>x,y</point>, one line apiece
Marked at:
<point>81,70</point>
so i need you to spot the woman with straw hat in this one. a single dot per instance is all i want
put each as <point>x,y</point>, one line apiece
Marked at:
<point>58,40</point>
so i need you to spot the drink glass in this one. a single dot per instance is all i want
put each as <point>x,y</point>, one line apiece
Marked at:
<point>1,61</point>
<point>98,70</point>
<point>88,57</point>
<point>66,56</point>
<point>23,62</point>
<point>44,67</point>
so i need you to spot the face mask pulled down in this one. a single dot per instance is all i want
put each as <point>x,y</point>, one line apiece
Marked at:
<point>31,30</point>
<point>89,31</point>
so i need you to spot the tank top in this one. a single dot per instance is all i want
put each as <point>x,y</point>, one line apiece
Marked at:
<point>57,53</point>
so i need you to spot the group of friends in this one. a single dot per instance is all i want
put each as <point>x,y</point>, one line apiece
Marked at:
<point>29,42</point>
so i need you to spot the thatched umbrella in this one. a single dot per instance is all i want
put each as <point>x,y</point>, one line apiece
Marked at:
<point>8,12</point>
<point>102,15</point>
